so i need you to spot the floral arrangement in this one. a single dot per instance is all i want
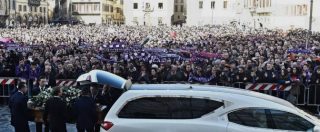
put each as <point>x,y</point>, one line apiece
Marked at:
<point>41,98</point>
<point>69,96</point>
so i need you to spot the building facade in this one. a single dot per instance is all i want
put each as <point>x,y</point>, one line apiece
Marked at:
<point>118,16</point>
<point>180,12</point>
<point>204,12</point>
<point>148,12</point>
<point>51,8</point>
<point>87,11</point>
<point>4,5</point>
<point>283,14</point>
<point>26,12</point>
<point>98,11</point>
<point>59,10</point>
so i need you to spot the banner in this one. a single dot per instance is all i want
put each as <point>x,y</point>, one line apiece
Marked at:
<point>6,40</point>
<point>297,51</point>
<point>17,47</point>
<point>153,50</point>
<point>208,55</point>
<point>193,78</point>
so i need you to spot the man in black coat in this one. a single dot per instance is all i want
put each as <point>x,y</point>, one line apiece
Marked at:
<point>95,94</point>
<point>50,73</point>
<point>55,112</point>
<point>109,96</point>
<point>85,111</point>
<point>19,110</point>
<point>270,75</point>
<point>42,85</point>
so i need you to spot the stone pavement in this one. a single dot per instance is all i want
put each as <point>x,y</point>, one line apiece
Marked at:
<point>6,127</point>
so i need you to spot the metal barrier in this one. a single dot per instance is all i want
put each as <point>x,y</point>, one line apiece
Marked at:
<point>66,82</point>
<point>7,86</point>
<point>224,84</point>
<point>241,85</point>
<point>174,82</point>
<point>62,82</point>
<point>302,94</point>
<point>299,97</point>
<point>267,86</point>
<point>312,97</point>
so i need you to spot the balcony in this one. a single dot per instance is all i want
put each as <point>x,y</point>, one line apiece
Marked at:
<point>263,10</point>
<point>86,13</point>
<point>252,9</point>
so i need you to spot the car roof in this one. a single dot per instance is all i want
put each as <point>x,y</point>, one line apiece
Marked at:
<point>211,88</point>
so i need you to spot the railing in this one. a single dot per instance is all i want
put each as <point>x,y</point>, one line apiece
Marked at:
<point>313,95</point>
<point>8,85</point>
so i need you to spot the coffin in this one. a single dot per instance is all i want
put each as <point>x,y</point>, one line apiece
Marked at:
<point>37,114</point>
<point>104,78</point>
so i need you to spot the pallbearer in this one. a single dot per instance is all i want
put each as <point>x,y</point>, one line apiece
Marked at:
<point>85,111</point>
<point>55,112</point>
<point>19,110</point>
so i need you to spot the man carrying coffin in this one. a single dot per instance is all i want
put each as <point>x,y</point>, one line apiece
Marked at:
<point>85,111</point>
<point>95,94</point>
<point>42,85</point>
<point>55,112</point>
<point>19,110</point>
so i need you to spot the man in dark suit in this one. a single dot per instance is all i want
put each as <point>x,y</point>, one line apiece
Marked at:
<point>85,111</point>
<point>109,96</point>
<point>42,85</point>
<point>50,73</point>
<point>19,110</point>
<point>55,112</point>
<point>95,93</point>
<point>96,96</point>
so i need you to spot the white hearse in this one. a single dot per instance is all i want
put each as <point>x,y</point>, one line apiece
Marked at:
<point>197,108</point>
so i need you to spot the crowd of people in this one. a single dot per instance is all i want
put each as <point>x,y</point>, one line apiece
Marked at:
<point>230,54</point>
<point>215,55</point>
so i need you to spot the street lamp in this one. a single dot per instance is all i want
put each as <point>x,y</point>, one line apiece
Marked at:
<point>310,19</point>
<point>211,14</point>
<point>44,17</point>
<point>70,9</point>
<point>15,16</point>
<point>310,24</point>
